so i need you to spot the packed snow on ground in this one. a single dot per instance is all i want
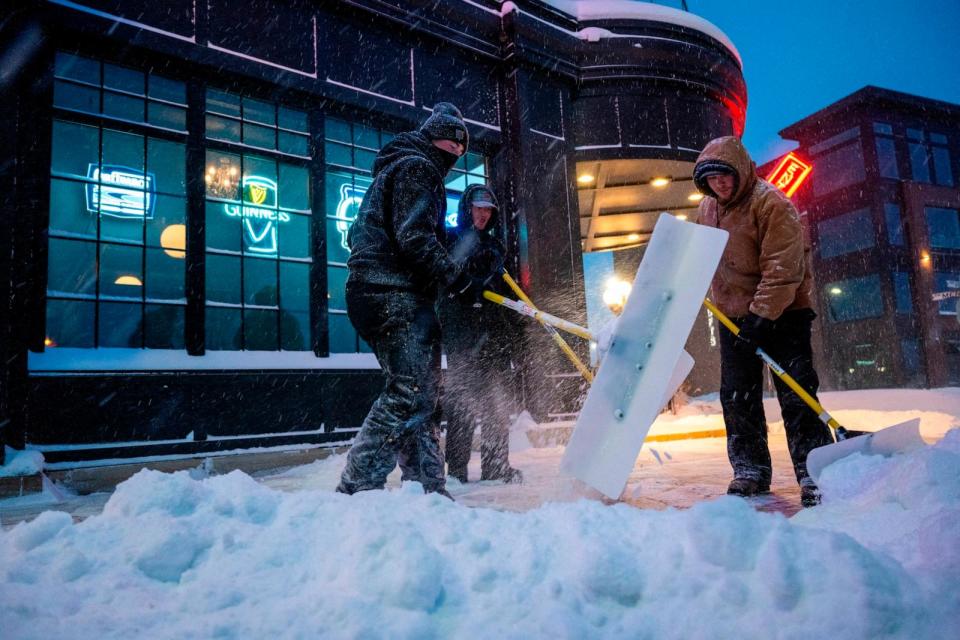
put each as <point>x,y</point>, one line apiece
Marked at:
<point>190,557</point>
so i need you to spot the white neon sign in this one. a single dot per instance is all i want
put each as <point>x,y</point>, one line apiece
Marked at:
<point>120,192</point>
<point>350,199</point>
<point>259,220</point>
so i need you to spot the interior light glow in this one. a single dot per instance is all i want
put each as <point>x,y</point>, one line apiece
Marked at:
<point>585,178</point>
<point>173,239</point>
<point>659,182</point>
<point>131,281</point>
<point>615,294</point>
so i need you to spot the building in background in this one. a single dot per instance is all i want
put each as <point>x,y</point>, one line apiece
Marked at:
<point>180,178</point>
<point>882,207</point>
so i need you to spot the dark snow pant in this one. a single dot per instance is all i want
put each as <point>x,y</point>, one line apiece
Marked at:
<point>741,396</point>
<point>403,424</point>
<point>474,389</point>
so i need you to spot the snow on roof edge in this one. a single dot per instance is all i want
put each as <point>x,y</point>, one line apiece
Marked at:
<point>591,10</point>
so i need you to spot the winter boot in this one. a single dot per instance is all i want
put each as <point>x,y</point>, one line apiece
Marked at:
<point>459,474</point>
<point>507,474</point>
<point>809,493</point>
<point>746,487</point>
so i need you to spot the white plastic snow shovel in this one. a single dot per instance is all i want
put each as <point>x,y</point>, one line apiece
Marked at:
<point>899,438</point>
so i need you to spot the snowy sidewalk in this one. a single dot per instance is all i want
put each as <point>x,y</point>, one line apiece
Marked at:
<point>183,556</point>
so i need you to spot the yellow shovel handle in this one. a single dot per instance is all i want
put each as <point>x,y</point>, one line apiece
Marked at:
<point>779,372</point>
<point>557,338</point>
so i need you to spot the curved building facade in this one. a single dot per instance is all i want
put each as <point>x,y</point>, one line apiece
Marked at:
<point>183,175</point>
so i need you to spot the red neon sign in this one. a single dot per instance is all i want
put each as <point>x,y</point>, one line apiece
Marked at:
<point>789,174</point>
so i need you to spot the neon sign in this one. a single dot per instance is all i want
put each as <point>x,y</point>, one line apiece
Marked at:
<point>789,174</point>
<point>120,191</point>
<point>259,220</point>
<point>350,198</point>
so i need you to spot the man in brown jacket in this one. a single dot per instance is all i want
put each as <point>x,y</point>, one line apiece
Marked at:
<point>763,283</point>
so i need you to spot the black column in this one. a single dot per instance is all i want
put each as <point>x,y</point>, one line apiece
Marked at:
<point>318,238</point>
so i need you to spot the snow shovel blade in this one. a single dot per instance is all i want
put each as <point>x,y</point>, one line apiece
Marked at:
<point>899,438</point>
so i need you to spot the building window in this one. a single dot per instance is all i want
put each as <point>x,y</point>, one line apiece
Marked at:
<point>839,168</point>
<point>119,93</point>
<point>350,150</point>
<point>945,281</point>
<point>256,123</point>
<point>854,299</point>
<point>891,214</point>
<point>258,227</point>
<point>846,233</point>
<point>910,348</point>
<point>116,237</point>
<point>941,159</point>
<point>886,150</point>
<point>944,227</point>
<point>902,292</point>
<point>923,147</point>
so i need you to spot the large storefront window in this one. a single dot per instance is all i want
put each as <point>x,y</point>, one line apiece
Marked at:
<point>854,299</point>
<point>846,233</point>
<point>258,217</point>
<point>351,149</point>
<point>117,212</point>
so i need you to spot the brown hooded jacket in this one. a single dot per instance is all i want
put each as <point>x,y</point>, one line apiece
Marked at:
<point>765,267</point>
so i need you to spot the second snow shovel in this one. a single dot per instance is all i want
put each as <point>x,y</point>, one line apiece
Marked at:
<point>898,438</point>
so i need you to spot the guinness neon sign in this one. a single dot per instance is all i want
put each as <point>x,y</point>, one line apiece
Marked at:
<point>120,192</point>
<point>259,214</point>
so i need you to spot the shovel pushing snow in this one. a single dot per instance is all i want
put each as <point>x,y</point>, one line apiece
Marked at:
<point>898,438</point>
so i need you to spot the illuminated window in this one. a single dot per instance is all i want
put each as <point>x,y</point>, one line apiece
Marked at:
<point>946,281</point>
<point>350,150</point>
<point>853,299</point>
<point>258,225</point>
<point>116,239</point>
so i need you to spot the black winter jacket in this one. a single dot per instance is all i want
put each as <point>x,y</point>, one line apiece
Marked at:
<point>397,237</point>
<point>478,327</point>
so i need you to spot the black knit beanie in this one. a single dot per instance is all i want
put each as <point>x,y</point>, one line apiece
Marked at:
<point>707,168</point>
<point>446,123</point>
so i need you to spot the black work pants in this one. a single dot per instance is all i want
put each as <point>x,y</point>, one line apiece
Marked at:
<point>474,389</point>
<point>741,396</point>
<point>403,424</point>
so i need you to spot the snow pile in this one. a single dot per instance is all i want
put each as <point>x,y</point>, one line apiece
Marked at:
<point>595,10</point>
<point>907,507</point>
<point>173,556</point>
<point>21,463</point>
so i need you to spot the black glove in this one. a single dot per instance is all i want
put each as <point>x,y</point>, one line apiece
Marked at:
<point>755,331</point>
<point>465,287</point>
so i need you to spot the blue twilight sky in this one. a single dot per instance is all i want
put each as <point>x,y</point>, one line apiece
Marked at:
<point>798,57</point>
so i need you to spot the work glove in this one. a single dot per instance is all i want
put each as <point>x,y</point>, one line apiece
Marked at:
<point>755,331</point>
<point>465,287</point>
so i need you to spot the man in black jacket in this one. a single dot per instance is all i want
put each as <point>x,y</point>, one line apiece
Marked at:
<point>476,338</point>
<point>397,264</point>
